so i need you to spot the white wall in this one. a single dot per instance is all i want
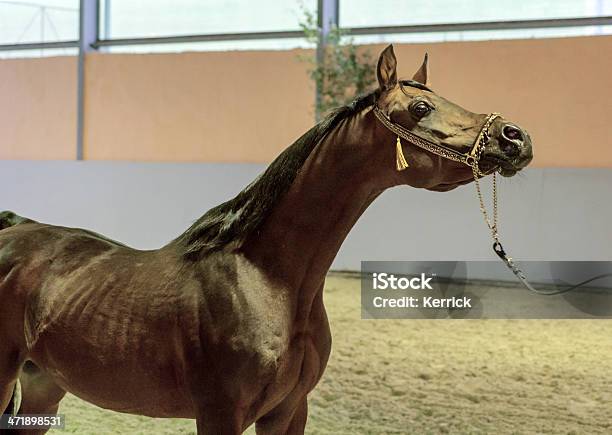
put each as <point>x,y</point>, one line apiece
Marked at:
<point>546,214</point>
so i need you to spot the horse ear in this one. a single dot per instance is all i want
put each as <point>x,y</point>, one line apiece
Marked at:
<point>421,75</point>
<point>386,69</point>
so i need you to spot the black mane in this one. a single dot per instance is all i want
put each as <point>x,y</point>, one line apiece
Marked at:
<point>234,220</point>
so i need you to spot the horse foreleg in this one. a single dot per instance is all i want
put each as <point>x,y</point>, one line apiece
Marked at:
<point>218,421</point>
<point>15,402</point>
<point>6,396</point>
<point>39,394</point>
<point>287,419</point>
<point>10,363</point>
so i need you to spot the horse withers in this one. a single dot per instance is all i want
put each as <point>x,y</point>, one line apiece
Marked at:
<point>226,323</point>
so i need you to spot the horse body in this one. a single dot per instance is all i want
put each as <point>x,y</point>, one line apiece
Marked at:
<point>163,344</point>
<point>225,324</point>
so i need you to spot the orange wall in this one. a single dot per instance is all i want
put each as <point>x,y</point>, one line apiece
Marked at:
<point>38,108</point>
<point>215,106</point>
<point>246,106</point>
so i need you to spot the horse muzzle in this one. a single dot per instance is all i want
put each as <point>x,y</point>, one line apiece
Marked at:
<point>510,148</point>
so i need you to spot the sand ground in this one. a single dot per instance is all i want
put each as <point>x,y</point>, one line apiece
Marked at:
<point>435,376</point>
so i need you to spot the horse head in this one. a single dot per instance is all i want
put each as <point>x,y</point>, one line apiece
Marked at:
<point>442,141</point>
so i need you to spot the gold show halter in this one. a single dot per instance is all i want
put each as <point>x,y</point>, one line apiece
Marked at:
<point>472,159</point>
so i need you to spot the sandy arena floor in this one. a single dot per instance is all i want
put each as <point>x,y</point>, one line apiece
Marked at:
<point>435,376</point>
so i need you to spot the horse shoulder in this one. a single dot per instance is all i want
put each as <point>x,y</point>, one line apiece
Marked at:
<point>239,313</point>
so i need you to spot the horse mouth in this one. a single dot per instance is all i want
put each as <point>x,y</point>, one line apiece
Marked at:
<point>488,165</point>
<point>508,172</point>
<point>505,168</point>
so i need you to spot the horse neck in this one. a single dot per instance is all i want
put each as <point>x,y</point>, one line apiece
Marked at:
<point>299,240</point>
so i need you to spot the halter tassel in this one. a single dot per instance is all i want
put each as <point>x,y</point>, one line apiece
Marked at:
<point>400,160</point>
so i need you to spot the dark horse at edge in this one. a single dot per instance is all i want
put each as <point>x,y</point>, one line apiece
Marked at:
<point>226,323</point>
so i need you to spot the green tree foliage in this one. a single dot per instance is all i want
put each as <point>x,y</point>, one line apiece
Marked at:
<point>345,71</point>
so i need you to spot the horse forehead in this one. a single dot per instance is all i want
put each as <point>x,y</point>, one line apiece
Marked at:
<point>397,99</point>
<point>411,92</point>
<point>406,92</point>
<point>403,95</point>
<point>450,106</point>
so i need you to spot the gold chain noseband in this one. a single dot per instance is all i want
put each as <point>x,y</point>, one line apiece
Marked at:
<point>470,158</point>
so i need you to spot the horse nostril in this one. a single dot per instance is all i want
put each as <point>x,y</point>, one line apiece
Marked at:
<point>512,133</point>
<point>510,149</point>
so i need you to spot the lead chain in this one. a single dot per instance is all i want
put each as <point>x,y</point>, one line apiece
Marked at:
<point>479,148</point>
<point>491,224</point>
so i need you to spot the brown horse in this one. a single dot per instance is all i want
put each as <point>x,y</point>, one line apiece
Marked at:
<point>226,324</point>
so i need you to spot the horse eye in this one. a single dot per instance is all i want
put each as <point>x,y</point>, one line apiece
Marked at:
<point>421,109</point>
